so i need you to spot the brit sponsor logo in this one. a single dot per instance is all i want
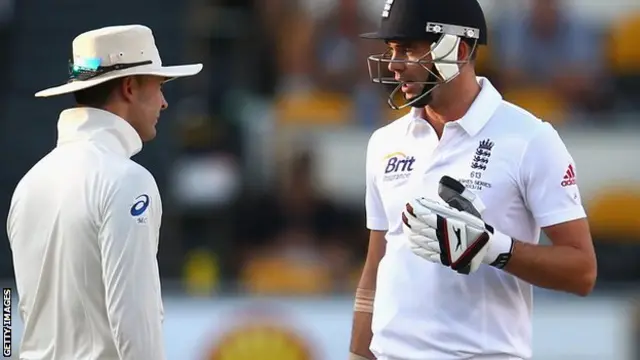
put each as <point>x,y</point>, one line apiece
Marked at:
<point>398,166</point>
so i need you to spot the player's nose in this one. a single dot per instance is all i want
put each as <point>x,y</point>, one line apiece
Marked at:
<point>396,66</point>
<point>165,104</point>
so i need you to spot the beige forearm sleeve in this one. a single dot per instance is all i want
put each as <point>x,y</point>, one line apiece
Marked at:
<point>364,300</point>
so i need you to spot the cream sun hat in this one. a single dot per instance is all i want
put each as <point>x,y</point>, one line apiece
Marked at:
<point>114,52</point>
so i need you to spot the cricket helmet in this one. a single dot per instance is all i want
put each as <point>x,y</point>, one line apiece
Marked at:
<point>444,23</point>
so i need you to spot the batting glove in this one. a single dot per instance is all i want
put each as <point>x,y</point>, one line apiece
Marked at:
<point>454,237</point>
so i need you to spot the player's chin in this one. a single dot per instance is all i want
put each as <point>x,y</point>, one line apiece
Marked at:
<point>411,90</point>
<point>149,134</point>
<point>410,95</point>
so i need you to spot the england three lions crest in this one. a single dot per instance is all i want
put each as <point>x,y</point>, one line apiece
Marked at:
<point>482,155</point>
<point>479,164</point>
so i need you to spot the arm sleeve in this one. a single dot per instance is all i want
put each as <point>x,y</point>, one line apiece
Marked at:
<point>549,180</point>
<point>128,245</point>
<point>376,215</point>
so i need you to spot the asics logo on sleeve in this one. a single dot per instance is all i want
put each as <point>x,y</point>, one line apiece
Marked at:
<point>140,206</point>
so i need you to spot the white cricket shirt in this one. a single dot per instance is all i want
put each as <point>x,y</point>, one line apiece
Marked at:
<point>83,229</point>
<point>523,173</point>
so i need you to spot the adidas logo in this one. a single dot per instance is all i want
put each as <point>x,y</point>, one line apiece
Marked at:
<point>569,177</point>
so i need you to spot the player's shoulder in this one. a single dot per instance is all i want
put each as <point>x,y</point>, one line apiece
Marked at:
<point>106,167</point>
<point>394,130</point>
<point>126,181</point>
<point>126,171</point>
<point>513,121</point>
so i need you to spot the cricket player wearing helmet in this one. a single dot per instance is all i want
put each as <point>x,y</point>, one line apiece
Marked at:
<point>457,194</point>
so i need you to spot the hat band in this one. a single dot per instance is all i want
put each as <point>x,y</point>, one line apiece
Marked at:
<point>83,73</point>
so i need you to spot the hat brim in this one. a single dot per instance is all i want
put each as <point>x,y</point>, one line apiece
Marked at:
<point>170,72</point>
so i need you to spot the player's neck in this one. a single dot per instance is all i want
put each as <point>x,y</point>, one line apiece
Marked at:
<point>452,105</point>
<point>453,102</point>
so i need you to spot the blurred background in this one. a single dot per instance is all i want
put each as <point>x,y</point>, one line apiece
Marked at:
<point>260,159</point>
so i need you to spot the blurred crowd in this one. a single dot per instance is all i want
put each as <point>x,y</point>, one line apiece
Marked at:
<point>300,63</point>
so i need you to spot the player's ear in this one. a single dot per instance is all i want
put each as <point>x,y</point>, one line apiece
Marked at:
<point>127,87</point>
<point>464,51</point>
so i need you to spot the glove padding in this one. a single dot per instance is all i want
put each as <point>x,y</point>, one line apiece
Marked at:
<point>458,239</point>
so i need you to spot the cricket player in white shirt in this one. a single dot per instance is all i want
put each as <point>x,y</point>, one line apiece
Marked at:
<point>84,221</point>
<point>457,193</point>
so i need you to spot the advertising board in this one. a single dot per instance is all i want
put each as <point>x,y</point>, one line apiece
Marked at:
<point>319,329</point>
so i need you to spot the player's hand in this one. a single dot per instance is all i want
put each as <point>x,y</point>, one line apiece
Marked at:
<point>440,233</point>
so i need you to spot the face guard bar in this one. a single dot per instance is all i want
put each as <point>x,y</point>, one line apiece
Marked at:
<point>444,57</point>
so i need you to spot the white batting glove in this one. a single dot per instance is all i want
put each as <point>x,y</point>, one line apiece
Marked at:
<point>442,234</point>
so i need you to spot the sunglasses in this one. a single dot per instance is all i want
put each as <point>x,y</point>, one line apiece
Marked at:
<point>88,68</point>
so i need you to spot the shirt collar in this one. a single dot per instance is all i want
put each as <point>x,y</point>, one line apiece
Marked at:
<point>481,110</point>
<point>98,125</point>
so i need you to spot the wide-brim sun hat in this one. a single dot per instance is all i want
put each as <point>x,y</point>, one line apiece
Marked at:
<point>115,52</point>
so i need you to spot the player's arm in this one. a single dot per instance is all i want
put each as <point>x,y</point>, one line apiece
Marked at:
<point>376,222</point>
<point>569,263</point>
<point>363,309</point>
<point>128,247</point>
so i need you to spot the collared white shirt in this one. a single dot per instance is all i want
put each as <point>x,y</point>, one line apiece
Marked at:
<point>83,229</point>
<point>525,176</point>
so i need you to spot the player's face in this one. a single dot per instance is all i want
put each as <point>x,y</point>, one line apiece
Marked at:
<point>406,67</point>
<point>147,103</point>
